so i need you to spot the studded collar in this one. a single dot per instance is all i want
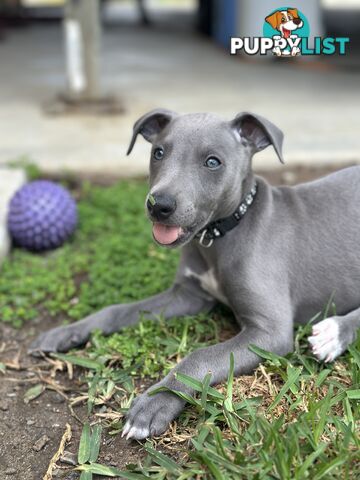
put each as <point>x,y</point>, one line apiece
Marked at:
<point>219,228</point>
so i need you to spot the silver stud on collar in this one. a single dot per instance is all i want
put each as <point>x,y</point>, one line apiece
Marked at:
<point>249,199</point>
<point>242,209</point>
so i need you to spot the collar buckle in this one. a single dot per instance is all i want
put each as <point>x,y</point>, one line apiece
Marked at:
<point>202,240</point>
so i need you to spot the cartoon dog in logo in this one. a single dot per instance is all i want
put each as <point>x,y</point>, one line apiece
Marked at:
<point>286,22</point>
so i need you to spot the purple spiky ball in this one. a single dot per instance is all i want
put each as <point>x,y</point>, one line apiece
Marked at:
<point>42,215</point>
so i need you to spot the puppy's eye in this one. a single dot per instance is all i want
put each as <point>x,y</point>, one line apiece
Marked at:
<point>158,154</point>
<point>213,163</point>
<point>283,20</point>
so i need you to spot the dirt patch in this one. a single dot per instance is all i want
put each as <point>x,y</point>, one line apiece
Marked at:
<point>30,433</point>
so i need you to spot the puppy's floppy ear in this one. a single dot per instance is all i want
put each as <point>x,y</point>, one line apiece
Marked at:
<point>150,124</point>
<point>273,20</point>
<point>259,132</point>
<point>294,12</point>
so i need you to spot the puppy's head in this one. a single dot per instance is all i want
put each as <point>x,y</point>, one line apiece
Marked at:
<point>285,21</point>
<point>198,167</point>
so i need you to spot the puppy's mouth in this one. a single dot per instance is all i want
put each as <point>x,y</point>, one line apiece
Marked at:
<point>174,235</point>
<point>167,234</point>
<point>286,32</point>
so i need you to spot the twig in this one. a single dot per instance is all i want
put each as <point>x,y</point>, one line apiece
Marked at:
<point>65,438</point>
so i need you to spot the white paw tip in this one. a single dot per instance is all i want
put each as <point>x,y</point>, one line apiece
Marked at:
<point>325,340</point>
<point>126,429</point>
<point>137,433</point>
<point>329,358</point>
<point>131,433</point>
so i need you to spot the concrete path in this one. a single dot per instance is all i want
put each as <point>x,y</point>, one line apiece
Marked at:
<point>167,65</point>
<point>10,181</point>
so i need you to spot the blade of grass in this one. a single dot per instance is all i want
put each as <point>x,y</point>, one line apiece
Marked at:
<point>215,472</point>
<point>231,420</point>
<point>324,471</point>
<point>355,354</point>
<point>301,473</point>
<point>229,387</point>
<point>98,469</point>
<point>163,460</point>
<point>33,392</point>
<point>323,415</point>
<point>84,446</point>
<point>204,432</point>
<point>86,476</point>
<point>353,394</point>
<point>95,443</point>
<point>184,337</point>
<point>92,392</point>
<point>349,417</point>
<point>219,442</point>
<point>292,378</point>
<point>197,385</point>
<point>275,359</point>
<point>204,393</point>
<point>321,377</point>
<point>185,396</point>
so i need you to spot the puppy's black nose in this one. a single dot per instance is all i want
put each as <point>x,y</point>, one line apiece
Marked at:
<point>297,21</point>
<point>161,206</point>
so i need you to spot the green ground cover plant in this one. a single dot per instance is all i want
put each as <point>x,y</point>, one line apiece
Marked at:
<point>294,418</point>
<point>111,259</point>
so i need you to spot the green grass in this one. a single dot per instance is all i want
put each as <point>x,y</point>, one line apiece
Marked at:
<point>111,259</point>
<point>293,419</point>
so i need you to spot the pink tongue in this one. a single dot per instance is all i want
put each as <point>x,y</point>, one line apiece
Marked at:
<point>165,234</point>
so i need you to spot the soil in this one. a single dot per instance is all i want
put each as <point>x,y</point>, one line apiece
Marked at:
<point>30,433</point>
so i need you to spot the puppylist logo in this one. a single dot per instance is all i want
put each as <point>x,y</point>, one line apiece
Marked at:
<point>286,33</point>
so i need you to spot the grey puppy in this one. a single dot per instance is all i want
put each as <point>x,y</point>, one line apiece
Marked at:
<point>274,255</point>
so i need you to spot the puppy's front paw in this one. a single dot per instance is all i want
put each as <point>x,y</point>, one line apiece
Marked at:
<point>150,415</point>
<point>60,339</point>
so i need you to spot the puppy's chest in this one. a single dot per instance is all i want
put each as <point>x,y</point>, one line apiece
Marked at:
<point>209,282</point>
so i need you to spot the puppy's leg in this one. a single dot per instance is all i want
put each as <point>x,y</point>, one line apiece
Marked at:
<point>181,299</point>
<point>151,415</point>
<point>331,337</point>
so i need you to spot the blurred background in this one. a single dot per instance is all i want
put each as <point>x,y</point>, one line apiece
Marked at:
<point>75,75</point>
